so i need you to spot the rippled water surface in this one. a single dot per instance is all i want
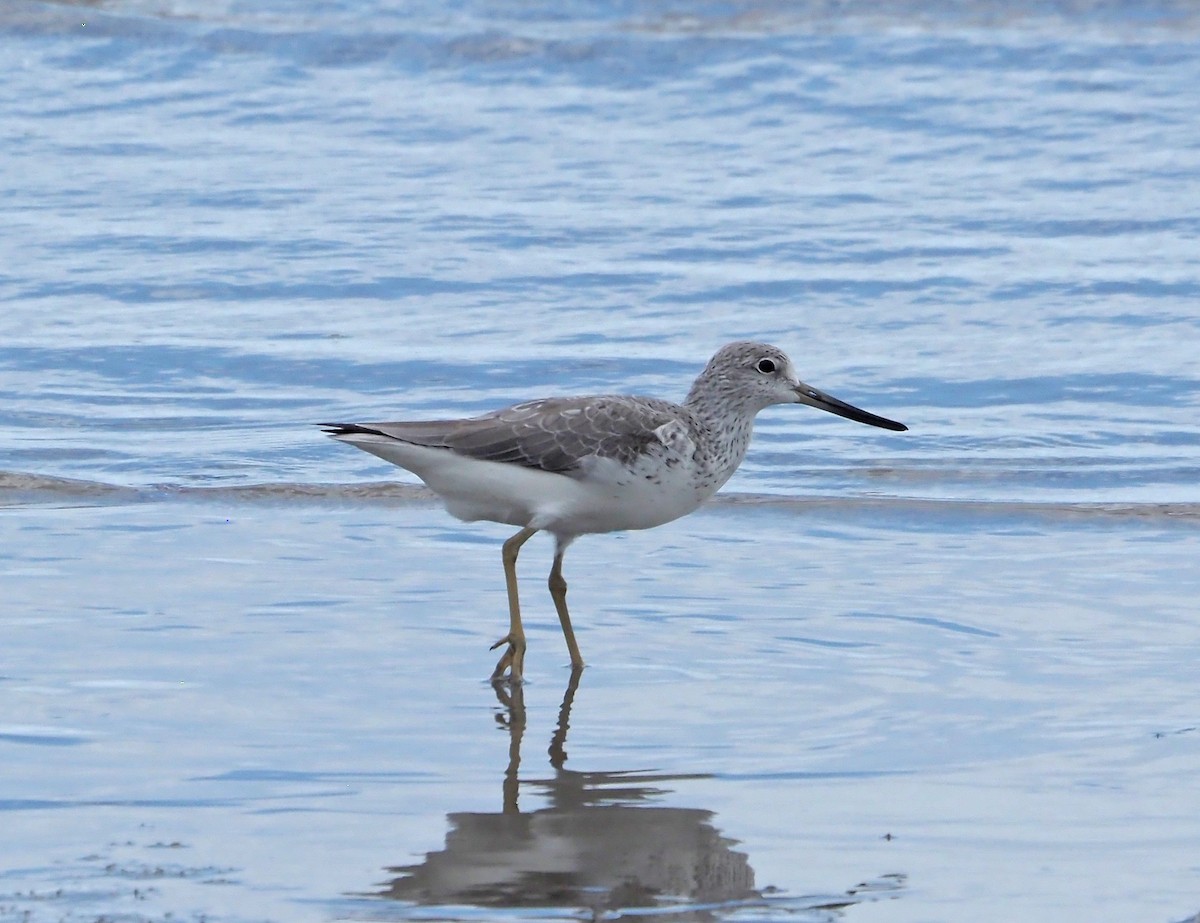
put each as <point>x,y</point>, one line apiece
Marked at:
<point>939,675</point>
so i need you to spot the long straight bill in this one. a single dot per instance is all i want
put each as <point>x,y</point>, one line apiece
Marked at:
<point>822,401</point>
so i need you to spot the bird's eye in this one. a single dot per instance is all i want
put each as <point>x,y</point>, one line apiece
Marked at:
<point>766,366</point>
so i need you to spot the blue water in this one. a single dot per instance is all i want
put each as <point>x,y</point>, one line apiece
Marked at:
<point>239,672</point>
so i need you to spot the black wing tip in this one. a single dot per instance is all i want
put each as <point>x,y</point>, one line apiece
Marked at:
<point>346,429</point>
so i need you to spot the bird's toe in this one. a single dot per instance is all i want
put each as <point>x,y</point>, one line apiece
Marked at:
<point>512,660</point>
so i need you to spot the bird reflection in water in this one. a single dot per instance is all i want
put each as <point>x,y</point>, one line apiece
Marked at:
<point>597,844</point>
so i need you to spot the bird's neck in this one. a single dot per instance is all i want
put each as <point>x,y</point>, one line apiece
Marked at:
<point>726,425</point>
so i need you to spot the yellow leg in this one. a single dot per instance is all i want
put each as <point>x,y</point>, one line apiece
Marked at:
<point>558,592</point>
<point>513,658</point>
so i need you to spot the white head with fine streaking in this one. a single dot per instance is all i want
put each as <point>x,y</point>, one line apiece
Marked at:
<point>745,377</point>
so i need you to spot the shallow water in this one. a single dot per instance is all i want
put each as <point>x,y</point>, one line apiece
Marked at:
<point>924,676</point>
<point>261,710</point>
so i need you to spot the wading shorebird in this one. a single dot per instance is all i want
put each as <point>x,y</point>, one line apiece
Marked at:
<point>572,466</point>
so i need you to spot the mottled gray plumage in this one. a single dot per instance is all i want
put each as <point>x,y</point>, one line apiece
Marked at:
<point>553,434</point>
<point>577,465</point>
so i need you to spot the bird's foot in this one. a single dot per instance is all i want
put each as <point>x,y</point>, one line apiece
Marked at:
<point>512,660</point>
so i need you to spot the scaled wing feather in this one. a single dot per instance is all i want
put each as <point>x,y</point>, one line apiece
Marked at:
<point>554,435</point>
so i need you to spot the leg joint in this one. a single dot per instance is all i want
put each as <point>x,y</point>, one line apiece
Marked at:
<point>512,547</point>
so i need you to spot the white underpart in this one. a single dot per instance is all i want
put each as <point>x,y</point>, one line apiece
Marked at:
<point>602,496</point>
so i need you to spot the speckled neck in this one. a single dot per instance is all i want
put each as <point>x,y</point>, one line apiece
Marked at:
<point>726,420</point>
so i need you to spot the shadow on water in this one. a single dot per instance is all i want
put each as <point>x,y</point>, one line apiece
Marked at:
<point>599,846</point>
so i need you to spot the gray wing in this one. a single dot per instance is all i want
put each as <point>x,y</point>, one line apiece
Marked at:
<point>554,434</point>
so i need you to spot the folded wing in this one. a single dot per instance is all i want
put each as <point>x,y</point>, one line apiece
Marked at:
<point>554,434</point>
